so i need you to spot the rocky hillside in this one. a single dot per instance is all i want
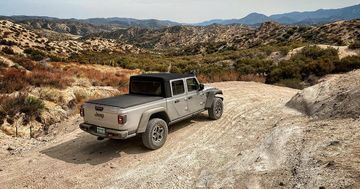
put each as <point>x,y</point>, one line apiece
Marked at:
<point>337,96</point>
<point>69,26</point>
<point>235,36</point>
<point>16,38</point>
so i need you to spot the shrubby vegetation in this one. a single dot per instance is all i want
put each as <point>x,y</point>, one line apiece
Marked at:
<point>35,54</point>
<point>301,70</point>
<point>355,45</point>
<point>23,103</point>
<point>7,50</point>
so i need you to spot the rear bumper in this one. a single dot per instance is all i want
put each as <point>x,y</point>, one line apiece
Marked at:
<point>109,133</point>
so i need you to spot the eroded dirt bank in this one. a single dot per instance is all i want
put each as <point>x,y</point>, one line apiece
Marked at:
<point>258,143</point>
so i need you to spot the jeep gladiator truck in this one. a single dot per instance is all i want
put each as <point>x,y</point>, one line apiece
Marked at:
<point>154,102</point>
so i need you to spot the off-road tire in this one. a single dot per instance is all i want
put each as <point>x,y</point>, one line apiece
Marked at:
<point>216,110</point>
<point>155,134</point>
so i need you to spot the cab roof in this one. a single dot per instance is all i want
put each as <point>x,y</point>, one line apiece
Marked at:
<point>164,76</point>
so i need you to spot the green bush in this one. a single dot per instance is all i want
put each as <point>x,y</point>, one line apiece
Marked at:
<point>252,66</point>
<point>35,54</point>
<point>30,106</point>
<point>355,45</point>
<point>347,64</point>
<point>8,50</point>
<point>7,42</point>
<point>312,60</point>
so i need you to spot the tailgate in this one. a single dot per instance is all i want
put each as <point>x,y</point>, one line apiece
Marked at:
<point>101,115</point>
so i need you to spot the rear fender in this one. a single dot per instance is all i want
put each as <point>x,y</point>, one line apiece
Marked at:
<point>145,117</point>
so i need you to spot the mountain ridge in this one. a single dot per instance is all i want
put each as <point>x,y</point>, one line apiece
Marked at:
<point>319,16</point>
<point>93,25</point>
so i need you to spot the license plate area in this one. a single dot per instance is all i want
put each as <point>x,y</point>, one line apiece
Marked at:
<point>100,130</point>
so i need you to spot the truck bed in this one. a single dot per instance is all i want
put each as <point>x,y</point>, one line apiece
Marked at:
<point>125,101</point>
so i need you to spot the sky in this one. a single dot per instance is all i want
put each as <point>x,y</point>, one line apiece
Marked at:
<point>184,11</point>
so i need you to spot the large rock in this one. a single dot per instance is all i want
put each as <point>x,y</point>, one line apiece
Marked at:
<point>337,96</point>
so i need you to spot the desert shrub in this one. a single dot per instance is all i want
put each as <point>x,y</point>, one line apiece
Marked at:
<point>355,45</point>
<point>347,64</point>
<point>312,60</point>
<point>6,34</point>
<point>24,62</point>
<point>8,50</point>
<point>55,58</point>
<point>23,103</point>
<point>35,54</point>
<point>7,42</point>
<point>315,52</point>
<point>252,66</point>
<point>42,77</point>
<point>12,79</point>
<point>3,64</point>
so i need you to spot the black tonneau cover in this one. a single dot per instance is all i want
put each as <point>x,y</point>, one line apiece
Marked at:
<point>125,101</point>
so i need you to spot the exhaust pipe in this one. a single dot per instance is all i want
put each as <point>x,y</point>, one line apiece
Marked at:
<point>100,138</point>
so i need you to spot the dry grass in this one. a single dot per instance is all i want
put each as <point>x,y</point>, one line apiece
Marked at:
<point>99,75</point>
<point>12,79</point>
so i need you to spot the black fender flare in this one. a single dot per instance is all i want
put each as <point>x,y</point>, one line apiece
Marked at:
<point>211,94</point>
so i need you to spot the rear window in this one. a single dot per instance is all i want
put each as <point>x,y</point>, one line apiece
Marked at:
<point>178,87</point>
<point>144,87</point>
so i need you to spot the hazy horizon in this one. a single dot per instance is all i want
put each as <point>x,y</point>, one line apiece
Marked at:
<point>186,11</point>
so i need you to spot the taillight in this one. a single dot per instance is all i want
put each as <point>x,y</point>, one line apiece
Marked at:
<point>82,111</point>
<point>121,119</point>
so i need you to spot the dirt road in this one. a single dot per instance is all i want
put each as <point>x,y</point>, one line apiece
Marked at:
<point>258,143</point>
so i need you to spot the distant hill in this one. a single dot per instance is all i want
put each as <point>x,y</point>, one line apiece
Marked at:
<point>85,27</point>
<point>131,22</point>
<point>297,18</point>
<point>194,39</point>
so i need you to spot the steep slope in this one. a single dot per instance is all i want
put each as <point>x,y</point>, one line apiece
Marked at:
<point>337,96</point>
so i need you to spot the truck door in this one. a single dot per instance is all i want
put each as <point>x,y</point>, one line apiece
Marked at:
<point>196,99</point>
<point>177,104</point>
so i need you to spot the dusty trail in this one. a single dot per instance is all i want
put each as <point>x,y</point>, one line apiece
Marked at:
<point>258,143</point>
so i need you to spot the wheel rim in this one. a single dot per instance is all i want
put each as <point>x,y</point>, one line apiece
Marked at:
<point>218,109</point>
<point>158,133</point>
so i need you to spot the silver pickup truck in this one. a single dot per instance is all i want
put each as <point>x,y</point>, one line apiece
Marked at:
<point>154,102</point>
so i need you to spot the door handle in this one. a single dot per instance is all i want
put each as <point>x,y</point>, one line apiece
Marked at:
<point>176,101</point>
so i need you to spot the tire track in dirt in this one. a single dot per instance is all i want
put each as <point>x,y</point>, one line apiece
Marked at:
<point>256,144</point>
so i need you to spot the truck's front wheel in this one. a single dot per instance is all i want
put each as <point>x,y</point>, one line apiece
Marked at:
<point>155,134</point>
<point>216,110</point>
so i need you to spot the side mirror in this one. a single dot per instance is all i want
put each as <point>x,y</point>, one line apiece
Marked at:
<point>201,87</point>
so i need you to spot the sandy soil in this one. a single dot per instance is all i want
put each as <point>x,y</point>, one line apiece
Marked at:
<point>258,143</point>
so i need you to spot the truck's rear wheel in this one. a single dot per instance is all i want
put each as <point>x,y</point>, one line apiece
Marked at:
<point>216,110</point>
<point>155,134</point>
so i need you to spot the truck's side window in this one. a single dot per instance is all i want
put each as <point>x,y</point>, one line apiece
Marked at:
<point>192,84</point>
<point>178,87</point>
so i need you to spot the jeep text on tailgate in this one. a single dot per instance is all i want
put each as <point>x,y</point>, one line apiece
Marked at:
<point>154,102</point>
